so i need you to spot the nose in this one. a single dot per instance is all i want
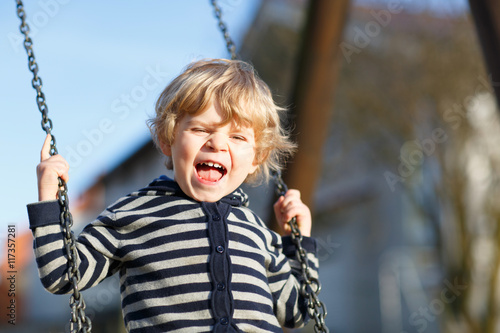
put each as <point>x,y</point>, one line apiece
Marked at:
<point>217,142</point>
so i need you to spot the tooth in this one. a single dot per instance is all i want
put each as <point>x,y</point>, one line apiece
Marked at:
<point>210,164</point>
<point>217,165</point>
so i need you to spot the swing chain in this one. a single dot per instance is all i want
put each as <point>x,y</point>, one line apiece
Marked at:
<point>310,286</point>
<point>77,304</point>
<point>231,48</point>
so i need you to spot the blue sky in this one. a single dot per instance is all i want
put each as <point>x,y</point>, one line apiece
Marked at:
<point>103,64</point>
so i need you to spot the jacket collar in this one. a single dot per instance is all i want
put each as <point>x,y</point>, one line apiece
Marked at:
<point>166,186</point>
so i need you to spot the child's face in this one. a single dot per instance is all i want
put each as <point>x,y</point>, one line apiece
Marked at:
<point>211,160</point>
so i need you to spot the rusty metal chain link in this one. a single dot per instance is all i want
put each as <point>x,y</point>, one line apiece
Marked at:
<point>310,286</point>
<point>231,48</point>
<point>79,322</point>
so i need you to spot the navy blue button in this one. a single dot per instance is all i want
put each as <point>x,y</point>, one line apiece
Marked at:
<point>216,217</point>
<point>224,321</point>
<point>221,286</point>
<point>220,249</point>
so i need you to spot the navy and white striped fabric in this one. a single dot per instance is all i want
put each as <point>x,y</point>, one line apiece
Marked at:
<point>184,266</point>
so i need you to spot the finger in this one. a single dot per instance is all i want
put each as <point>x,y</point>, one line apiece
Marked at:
<point>65,171</point>
<point>279,212</point>
<point>295,209</point>
<point>293,193</point>
<point>292,212</point>
<point>289,204</point>
<point>54,165</point>
<point>65,176</point>
<point>278,207</point>
<point>288,212</point>
<point>286,229</point>
<point>45,153</point>
<point>62,169</point>
<point>290,196</point>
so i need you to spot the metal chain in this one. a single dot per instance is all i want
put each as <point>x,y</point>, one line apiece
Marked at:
<point>79,321</point>
<point>231,48</point>
<point>310,286</point>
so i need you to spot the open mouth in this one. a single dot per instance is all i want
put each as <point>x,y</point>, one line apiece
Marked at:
<point>210,171</point>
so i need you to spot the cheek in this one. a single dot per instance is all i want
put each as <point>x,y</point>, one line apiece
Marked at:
<point>247,156</point>
<point>187,149</point>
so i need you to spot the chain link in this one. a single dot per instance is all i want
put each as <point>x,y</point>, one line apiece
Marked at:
<point>310,286</point>
<point>79,321</point>
<point>231,48</point>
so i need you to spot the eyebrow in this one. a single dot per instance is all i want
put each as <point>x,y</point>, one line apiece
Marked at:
<point>236,127</point>
<point>193,122</point>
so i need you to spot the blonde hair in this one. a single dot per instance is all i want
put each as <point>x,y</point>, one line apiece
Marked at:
<point>242,96</point>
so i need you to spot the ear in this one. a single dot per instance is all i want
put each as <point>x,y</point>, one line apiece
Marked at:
<point>166,148</point>
<point>259,158</point>
<point>254,167</point>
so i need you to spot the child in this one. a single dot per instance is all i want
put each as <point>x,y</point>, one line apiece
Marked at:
<point>191,256</point>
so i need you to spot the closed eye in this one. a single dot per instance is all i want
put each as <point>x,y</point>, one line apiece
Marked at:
<point>199,130</point>
<point>239,138</point>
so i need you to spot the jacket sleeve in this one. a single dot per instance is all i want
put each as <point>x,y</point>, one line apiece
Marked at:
<point>285,279</point>
<point>97,248</point>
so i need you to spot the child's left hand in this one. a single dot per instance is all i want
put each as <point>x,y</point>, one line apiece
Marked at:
<point>290,206</point>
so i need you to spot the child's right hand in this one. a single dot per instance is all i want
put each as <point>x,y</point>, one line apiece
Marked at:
<point>48,172</point>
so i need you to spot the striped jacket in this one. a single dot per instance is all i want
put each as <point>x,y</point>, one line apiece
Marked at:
<point>184,266</point>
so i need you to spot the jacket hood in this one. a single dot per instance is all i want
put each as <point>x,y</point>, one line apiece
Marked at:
<point>166,186</point>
